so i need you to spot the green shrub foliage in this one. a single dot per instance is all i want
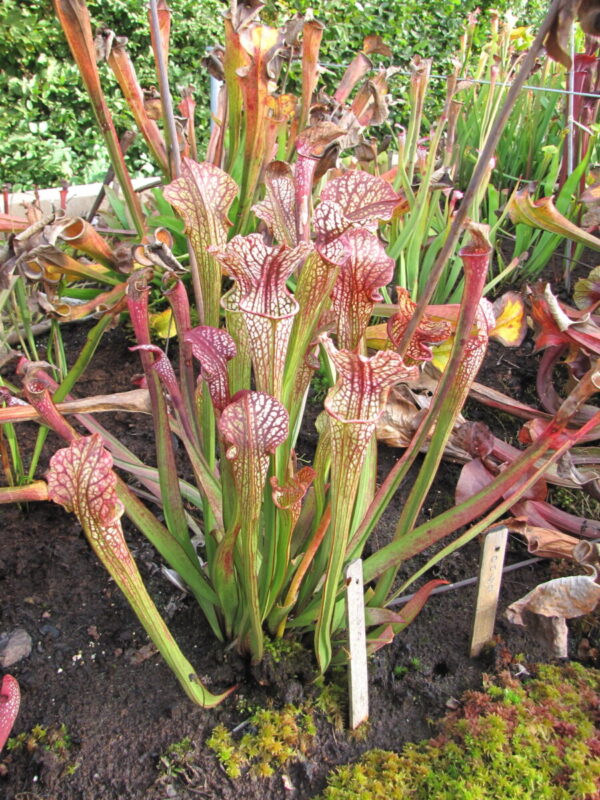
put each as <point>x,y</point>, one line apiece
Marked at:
<point>47,131</point>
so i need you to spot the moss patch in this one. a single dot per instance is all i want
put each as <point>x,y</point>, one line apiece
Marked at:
<point>532,740</point>
<point>274,739</point>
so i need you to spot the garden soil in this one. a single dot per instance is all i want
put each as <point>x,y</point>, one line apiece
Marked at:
<point>92,670</point>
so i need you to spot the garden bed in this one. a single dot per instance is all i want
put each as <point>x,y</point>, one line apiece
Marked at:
<point>102,716</point>
<point>92,670</point>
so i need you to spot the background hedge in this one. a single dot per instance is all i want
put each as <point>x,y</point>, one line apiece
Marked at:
<point>47,130</point>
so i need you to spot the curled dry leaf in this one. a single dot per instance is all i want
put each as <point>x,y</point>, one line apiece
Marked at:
<point>555,601</point>
<point>587,13</point>
<point>543,542</point>
<point>557,41</point>
<point>586,292</point>
<point>590,222</point>
<point>375,44</point>
<point>400,418</point>
<point>356,70</point>
<point>588,555</point>
<point>406,406</point>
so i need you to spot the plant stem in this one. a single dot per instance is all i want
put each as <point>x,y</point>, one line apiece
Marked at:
<point>165,94</point>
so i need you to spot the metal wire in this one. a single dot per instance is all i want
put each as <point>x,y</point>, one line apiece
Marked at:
<point>400,601</point>
<point>484,81</point>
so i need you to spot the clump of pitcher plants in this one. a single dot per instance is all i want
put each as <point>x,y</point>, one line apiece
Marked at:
<point>296,284</point>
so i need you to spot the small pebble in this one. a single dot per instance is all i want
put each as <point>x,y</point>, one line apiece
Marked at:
<point>14,647</point>
<point>50,630</point>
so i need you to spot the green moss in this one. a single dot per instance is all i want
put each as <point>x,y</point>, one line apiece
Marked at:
<point>284,650</point>
<point>332,702</point>
<point>402,670</point>
<point>275,738</point>
<point>56,739</point>
<point>177,758</point>
<point>575,502</point>
<point>528,741</point>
